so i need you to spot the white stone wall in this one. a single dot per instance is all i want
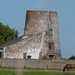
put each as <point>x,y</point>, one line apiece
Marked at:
<point>29,45</point>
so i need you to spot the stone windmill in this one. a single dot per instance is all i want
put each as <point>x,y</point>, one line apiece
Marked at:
<point>40,39</point>
<point>46,23</point>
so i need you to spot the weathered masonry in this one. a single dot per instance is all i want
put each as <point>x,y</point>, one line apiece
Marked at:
<point>40,39</point>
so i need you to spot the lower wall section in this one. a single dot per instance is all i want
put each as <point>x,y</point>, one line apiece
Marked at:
<point>28,63</point>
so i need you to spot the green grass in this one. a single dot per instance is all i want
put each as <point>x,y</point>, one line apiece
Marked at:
<point>47,73</point>
<point>32,72</point>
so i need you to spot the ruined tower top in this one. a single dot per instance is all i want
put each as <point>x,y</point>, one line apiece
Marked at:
<point>39,21</point>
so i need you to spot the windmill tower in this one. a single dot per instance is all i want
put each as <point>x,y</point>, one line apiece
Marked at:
<point>44,22</point>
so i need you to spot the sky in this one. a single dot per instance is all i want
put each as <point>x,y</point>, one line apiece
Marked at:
<point>13,13</point>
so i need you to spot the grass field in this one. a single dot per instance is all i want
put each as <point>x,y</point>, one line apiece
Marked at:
<point>33,72</point>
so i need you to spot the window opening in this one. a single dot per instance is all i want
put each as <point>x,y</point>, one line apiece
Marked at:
<point>0,54</point>
<point>29,57</point>
<point>51,32</point>
<point>51,56</point>
<point>24,55</point>
<point>51,45</point>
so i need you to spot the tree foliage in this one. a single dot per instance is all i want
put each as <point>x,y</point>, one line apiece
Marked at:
<point>72,57</point>
<point>7,33</point>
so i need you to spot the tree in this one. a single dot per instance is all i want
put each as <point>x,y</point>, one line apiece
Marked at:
<point>72,57</point>
<point>7,33</point>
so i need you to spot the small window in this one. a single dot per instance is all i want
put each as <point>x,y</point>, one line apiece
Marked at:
<point>51,32</point>
<point>29,57</point>
<point>1,49</point>
<point>0,54</point>
<point>51,45</point>
<point>24,55</point>
<point>51,56</point>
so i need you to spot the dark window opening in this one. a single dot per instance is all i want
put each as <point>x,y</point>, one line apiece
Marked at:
<point>0,54</point>
<point>51,56</point>
<point>51,32</point>
<point>51,45</point>
<point>29,57</point>
<point>24,55</point>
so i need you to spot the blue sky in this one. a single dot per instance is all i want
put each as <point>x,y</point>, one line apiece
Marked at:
<point>13,12</point>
